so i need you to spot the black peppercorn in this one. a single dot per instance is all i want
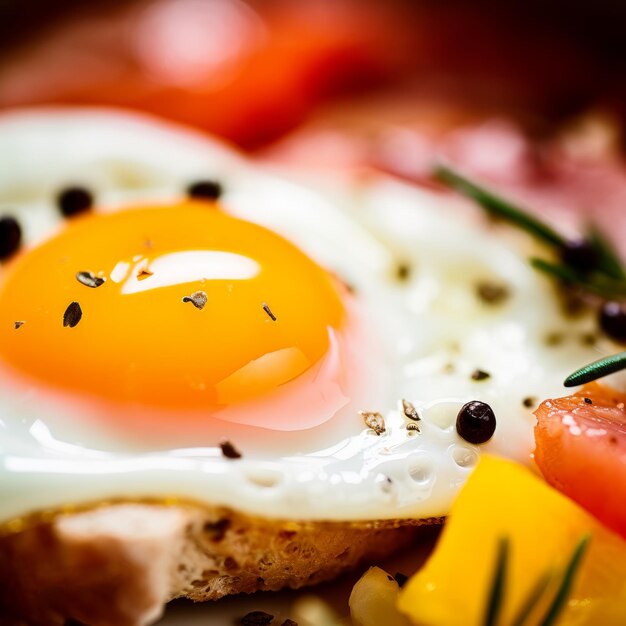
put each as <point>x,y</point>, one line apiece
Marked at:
<point>476,422</point>
<point>205,190</point>
<point>74,200</point>
<point>580,255</point>
<point>613,320</point>
<point>10,236</point>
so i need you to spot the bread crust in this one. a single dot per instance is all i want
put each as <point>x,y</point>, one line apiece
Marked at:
<point>118,565</point>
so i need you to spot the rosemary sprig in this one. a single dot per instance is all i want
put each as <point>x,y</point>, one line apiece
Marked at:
<point>496,595</point>
<point>595,283</point>
<point>558,270</point>
<point>498,587</point>
<point>499,207</point>
<point>532,599</point>
<point>597,369</point>
<point>606,278</point>
<point>566,583</point>
<point>591,265</point>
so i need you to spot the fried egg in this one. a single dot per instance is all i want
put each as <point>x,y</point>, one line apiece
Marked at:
<point>291,351</point>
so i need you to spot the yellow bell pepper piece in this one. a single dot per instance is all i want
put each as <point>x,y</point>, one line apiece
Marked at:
<point>505,501</point>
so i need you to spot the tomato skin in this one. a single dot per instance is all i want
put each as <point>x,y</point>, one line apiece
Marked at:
<point>581,450</point>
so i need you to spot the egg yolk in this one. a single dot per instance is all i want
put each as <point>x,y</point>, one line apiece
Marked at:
<point>197,311</point>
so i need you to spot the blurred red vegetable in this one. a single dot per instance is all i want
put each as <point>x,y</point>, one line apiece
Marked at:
<point>252,70</point>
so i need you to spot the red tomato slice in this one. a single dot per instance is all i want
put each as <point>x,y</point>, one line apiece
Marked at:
<point>581,450</point>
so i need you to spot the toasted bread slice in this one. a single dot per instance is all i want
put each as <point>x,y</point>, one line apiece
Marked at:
<point>118,565</point>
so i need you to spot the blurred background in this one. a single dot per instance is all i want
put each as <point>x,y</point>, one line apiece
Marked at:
<point>252,71</point>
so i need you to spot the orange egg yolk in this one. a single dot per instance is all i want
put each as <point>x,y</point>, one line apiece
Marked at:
<point>198,310</point>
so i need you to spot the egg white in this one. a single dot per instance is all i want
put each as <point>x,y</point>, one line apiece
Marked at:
<point>429,332</point>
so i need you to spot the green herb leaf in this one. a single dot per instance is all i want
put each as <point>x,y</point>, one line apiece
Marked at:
<point>566,584</point>
<point>496,595</point>
<point>499,207</point>
<point>558,270</point>
<point>609,261</point>
<point>498,587</point>
<point>607,281</point>
<point>597,369</point>
<point>598,284</point>
<point>531,600</point>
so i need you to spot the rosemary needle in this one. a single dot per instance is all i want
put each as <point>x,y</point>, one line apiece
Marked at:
<point>597,369</point>
<point>497,592</point>
<point>496,595</point>
<point>499,207</point>
<point>566,584</point>
<point>531,601</point>
<point>599,284</point>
